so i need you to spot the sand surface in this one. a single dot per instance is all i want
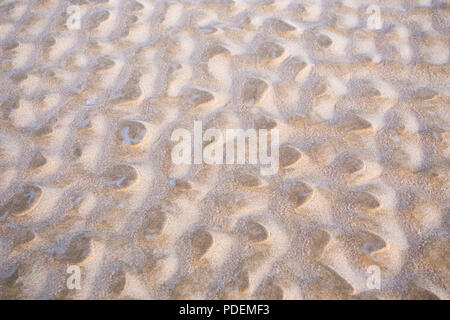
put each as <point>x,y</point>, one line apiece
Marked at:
<point>86,177</point>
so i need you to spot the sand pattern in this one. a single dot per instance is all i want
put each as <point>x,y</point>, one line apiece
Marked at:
<point>86,176</point>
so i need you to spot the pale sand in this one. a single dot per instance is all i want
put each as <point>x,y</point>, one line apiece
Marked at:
<point>86,177</point>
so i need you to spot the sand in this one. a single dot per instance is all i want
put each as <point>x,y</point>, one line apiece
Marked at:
<point>86,177</point>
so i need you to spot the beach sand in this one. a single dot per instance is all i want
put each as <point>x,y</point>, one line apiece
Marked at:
<point>87,180</point>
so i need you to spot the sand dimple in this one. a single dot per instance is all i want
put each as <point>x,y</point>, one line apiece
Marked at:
<point>369,242</point>
<point>352,164</point>
<point>424,94</point>
<point>104,63</point>
<point>269,50</point>
<point>23,201</point>
<point>9,279</point>
<point>97,17</point>
<point>271,291</point>
<point>255,232</point>
<point>265,123</point>
<point>154,224</point>
<point>280,25</point>
<point>243,282</point>
<point>86,175</point>
<point>356,123</point>
<point>201,241</point>
<point>330,285</point>
<point>131,133</point>
<point>288,156</point>
<point>23,237</point>
<point>198,97</point>
<point>418,293</point>
<point>78,250</point>
<point>292,67</point>
<point>324,41</point>
<point>248,180</point>
<point>319,241</point>
<point>130,91</point>
<point>253,89</point>
<point>299,194</point>
<point>37,161</point>
<point>435,253</point>
<point>364,200</point>
<point>117,283</point>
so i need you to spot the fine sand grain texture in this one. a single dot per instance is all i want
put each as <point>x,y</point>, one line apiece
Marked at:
<point>87,180</point>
